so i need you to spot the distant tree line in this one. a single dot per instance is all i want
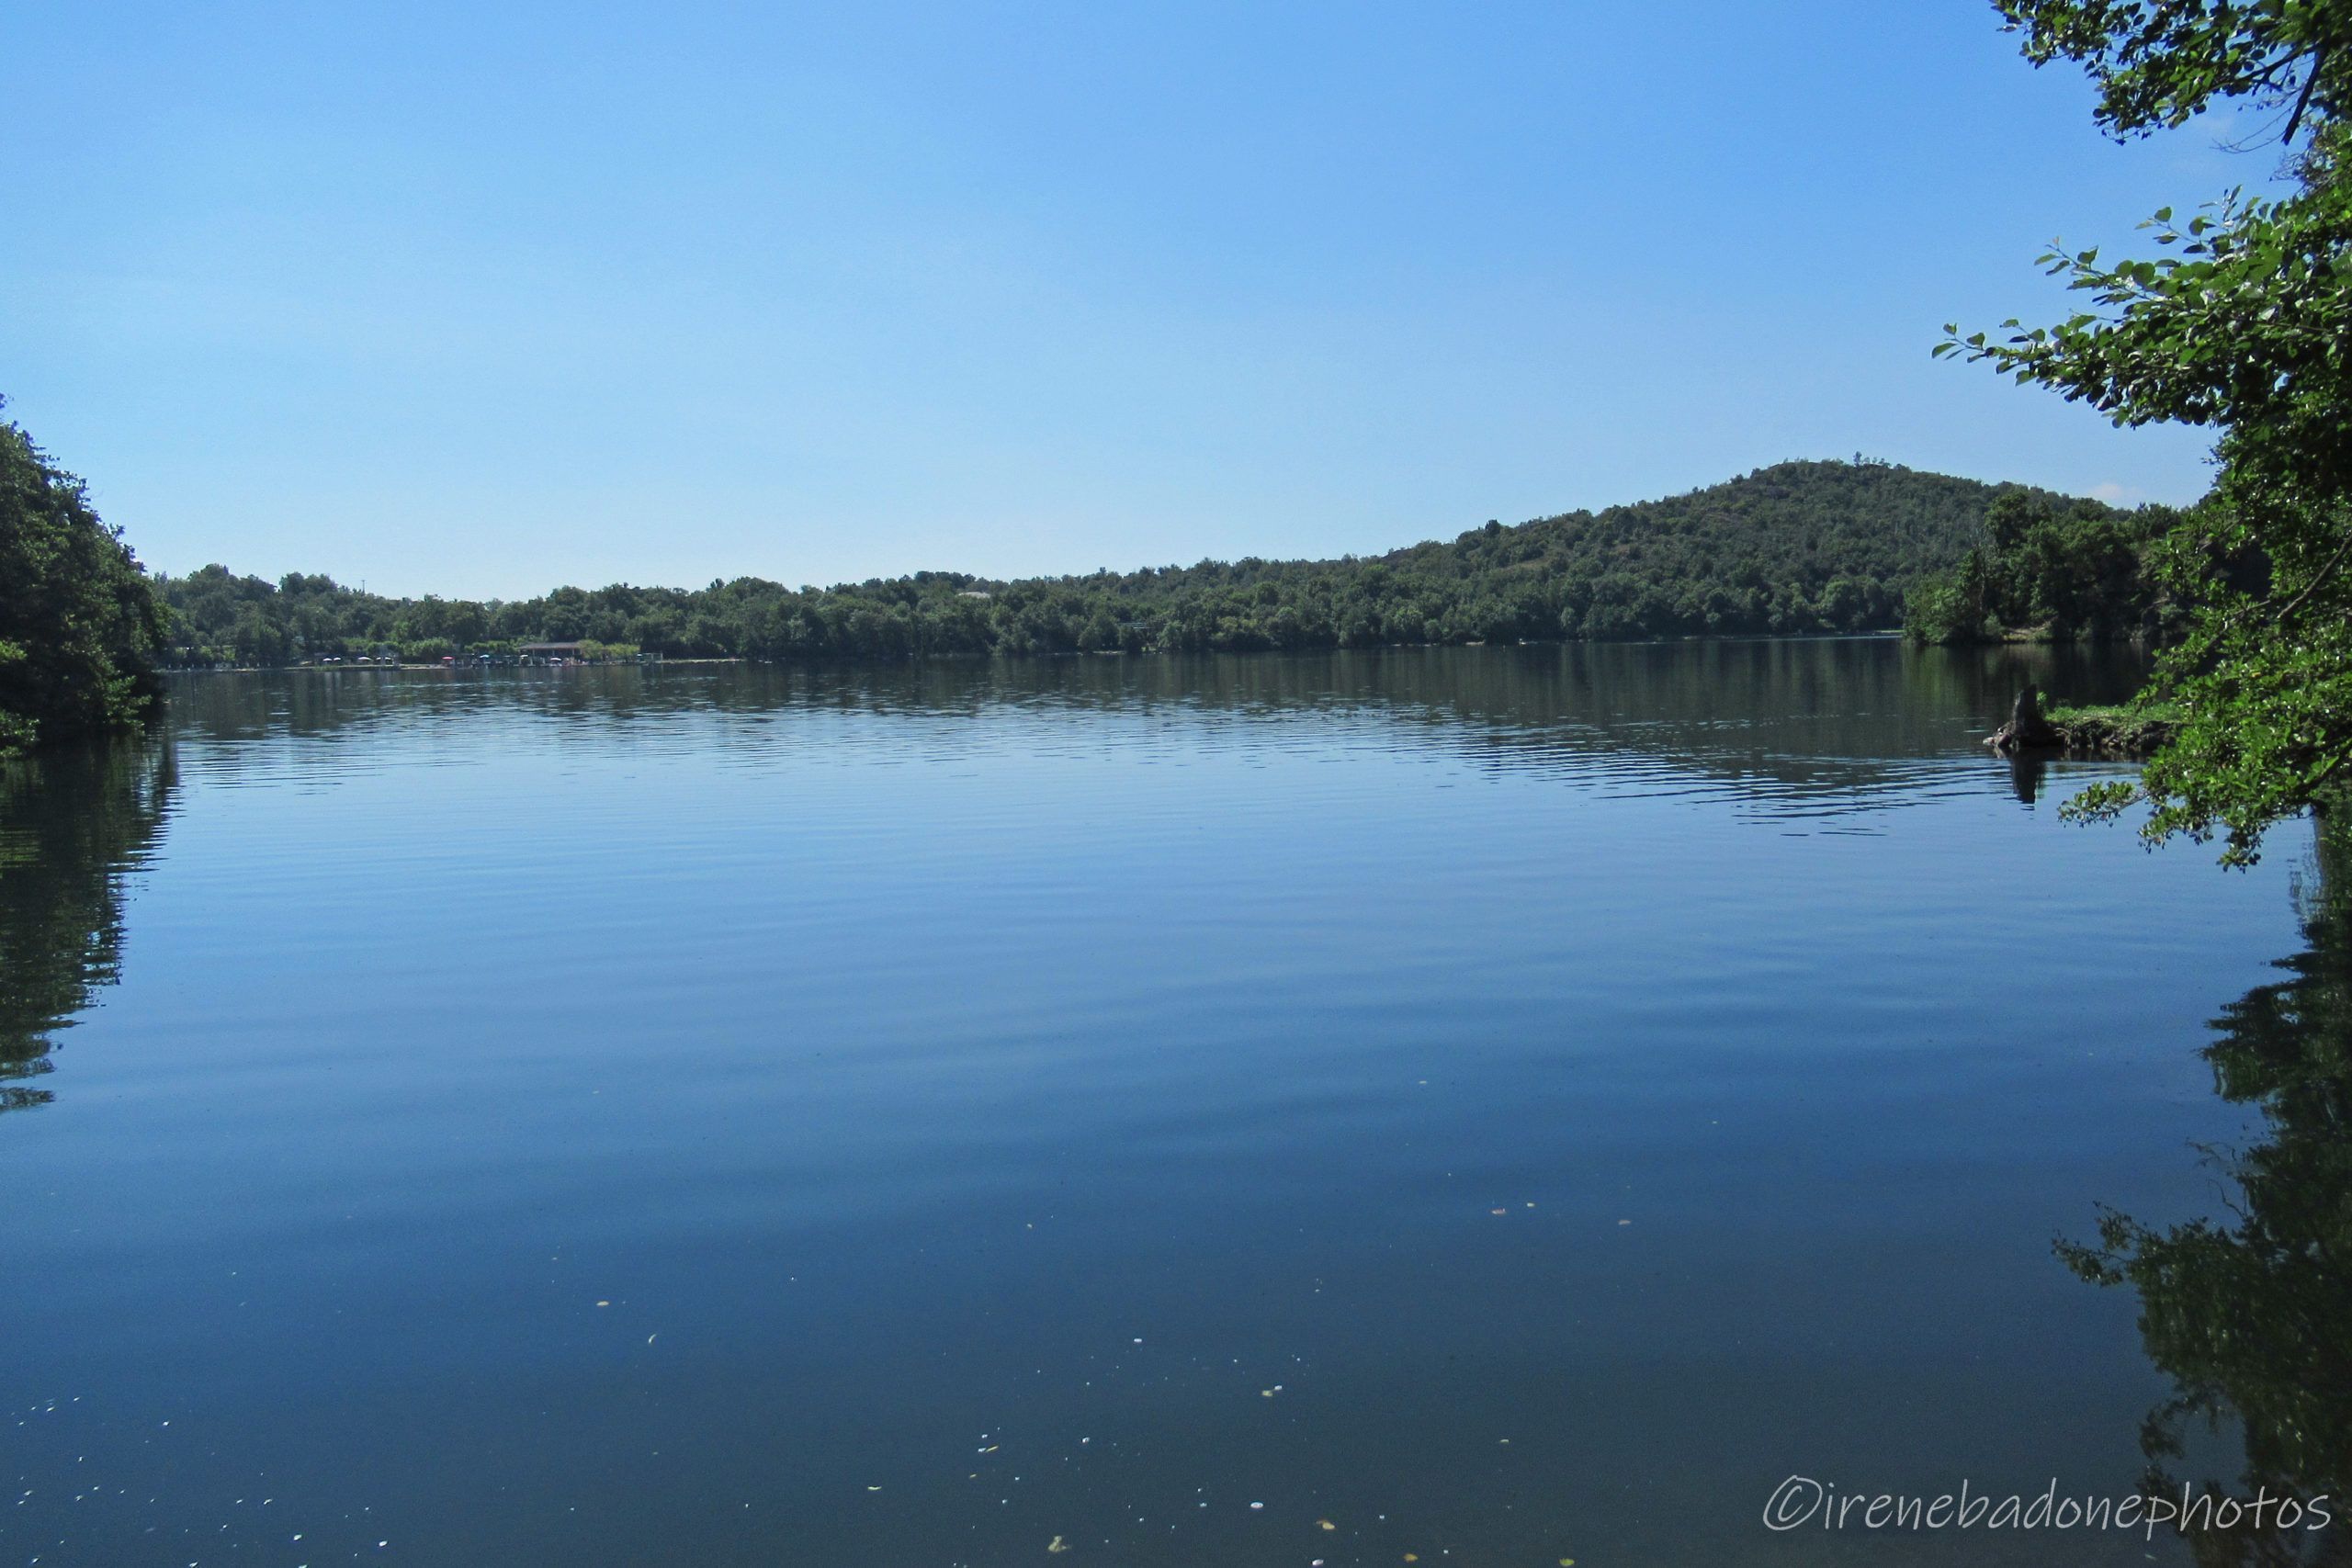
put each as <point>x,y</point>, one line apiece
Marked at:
<point>2053,570</point>
<point>1799,548</point>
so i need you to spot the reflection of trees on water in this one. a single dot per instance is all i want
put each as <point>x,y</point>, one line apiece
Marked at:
<point>1800,724</point>
<point>2027,771</point>
<point>2253,1319</point>
<point>72,826</point>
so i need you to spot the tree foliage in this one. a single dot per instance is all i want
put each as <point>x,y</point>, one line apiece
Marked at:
<point>2052,570</point>
<point>2159,63</point>
<point>80,626</point>
<point>1804,547</point>
<point>2242,324</point>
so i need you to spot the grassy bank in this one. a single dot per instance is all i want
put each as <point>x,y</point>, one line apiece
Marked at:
<point>2133,730</point>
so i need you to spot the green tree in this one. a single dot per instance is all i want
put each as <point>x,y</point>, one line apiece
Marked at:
<point>2242,325</point>
<point>80,626</point>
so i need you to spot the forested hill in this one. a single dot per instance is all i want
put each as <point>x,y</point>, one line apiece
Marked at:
<point>1802,547</point>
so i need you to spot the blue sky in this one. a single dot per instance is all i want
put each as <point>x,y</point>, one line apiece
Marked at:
<point>482,298</point>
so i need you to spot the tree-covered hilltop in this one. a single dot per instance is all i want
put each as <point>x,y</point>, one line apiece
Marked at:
<point>79,622</point>
<point>1801,547</point>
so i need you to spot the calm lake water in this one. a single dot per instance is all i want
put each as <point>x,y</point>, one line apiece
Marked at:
<point>1499,1105</point>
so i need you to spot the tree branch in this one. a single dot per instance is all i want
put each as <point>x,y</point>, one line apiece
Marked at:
<point>2303,100</point>
<point>2312,587</point>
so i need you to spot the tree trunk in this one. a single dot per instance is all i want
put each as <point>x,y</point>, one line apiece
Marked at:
<point>2027,729</point>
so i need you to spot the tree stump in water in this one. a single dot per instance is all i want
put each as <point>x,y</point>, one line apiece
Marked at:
<point>2027,729</point>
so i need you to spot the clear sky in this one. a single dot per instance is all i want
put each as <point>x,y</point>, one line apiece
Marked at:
<point>480,298</point>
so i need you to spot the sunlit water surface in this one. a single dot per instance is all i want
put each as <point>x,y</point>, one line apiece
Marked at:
<point>1497,1105</point>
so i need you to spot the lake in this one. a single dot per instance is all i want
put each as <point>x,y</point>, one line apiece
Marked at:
<point>1495,1105</point>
